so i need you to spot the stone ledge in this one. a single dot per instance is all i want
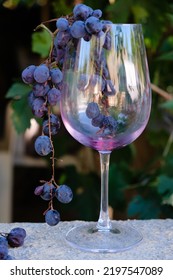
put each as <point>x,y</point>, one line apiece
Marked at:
<point>48,243</point>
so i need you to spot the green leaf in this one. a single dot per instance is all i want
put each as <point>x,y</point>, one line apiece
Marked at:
<point>41,43</point>
<point>167,105</point>
<point>21,114</point>
<point>165,185</point>
<point>144,208</point>
<point>140,13</point>
<point>166,56</point>
<point>18,90</point>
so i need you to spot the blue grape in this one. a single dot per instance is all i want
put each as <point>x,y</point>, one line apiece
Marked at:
<point>52,217</point>
<point>59,54</point>
<point>97,13</point>
<point>56,75</point>
<point>48,191</point>
<point>39,90</point>
<point>39,108</point>
<point>98,121</point>
<point>43,145</point>
<point>16,237</point>
<point>62,38</point>
<point>78,29</point>
<point>3,252</point>
<point>54,96</point>
<point>54,125</point>
<point>92,110</point>
<point>93,25</point>
<point>19,231</point>
<point>64,194</point>
<point>3,241</point>
<point>28,74</point>
<point>41,73</point>
<point>87,37</point>
<point>106,25</point>
<point>110,123</point>
<point>31,98</point>
<point>81,12</point>
<point>38,190</point>
<point>62,24</point>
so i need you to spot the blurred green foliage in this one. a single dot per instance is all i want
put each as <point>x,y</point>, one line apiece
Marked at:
<point>141,175</point>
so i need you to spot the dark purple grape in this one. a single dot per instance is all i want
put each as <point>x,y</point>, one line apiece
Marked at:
<point>56,75</point>
<point>16,237</point>
<point>62,38</point>
<point>3,252</point>
<point>97,13</point>
<point>106,25</point>
<point>93,25</point>
<point>98,121</point>
<point>87,37</point>
<point>92,110</point>
<point>39,108</point>
<point>78,29</point>
<point>43,145</point>
<point>41,73</point>
<point>31,98</point>
<point>54,96</point>
<point>81,12</point>
<point>110,123</point>
<point>28,74</point>
<point>59,54</point>
<point>64,194</point>
<point>54,125</point>
<point>48,191</point>
<point>52,217</point>
<point>62,24</point>
<point>38,190</point>
<point>15,240</point>
<point>39,90</point>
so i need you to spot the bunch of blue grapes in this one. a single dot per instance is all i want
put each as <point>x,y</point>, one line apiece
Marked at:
<point>13,239</point>
<point>46,81</point>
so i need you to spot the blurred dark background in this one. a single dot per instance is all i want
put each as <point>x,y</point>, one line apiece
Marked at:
<point>141,177</point>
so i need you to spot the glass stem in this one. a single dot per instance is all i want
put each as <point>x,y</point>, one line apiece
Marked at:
<point>104,220</point>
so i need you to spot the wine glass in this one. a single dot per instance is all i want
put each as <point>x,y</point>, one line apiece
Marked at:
<point>105,105</point>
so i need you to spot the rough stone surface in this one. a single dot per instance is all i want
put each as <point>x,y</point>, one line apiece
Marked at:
<point>48,243</point>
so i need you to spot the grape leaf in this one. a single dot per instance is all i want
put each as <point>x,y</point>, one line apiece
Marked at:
<point>41,42</point>
<point>165,185</point>
<point>166,56</point>
<point>167,105</point>
<point>144,208</point>
<point>18,90</point>
<point>21,114</point>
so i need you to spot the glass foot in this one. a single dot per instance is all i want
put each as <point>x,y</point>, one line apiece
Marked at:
<point>88,238</point>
